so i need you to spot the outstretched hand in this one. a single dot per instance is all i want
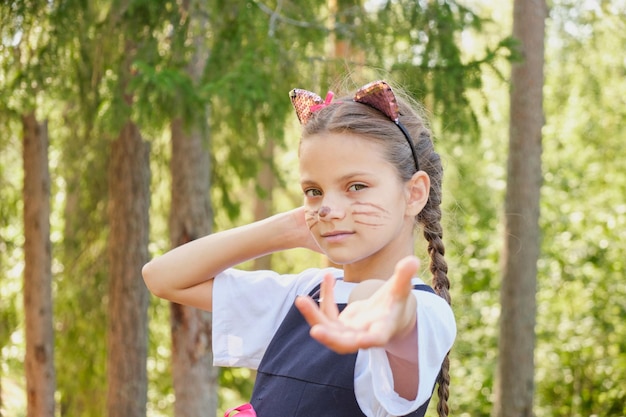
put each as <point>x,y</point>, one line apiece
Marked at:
<point>390,312</point>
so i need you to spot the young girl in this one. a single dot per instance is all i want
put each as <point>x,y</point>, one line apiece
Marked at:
<point>368,339</point>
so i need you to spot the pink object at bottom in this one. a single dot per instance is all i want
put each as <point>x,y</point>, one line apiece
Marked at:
<point>244,410</point>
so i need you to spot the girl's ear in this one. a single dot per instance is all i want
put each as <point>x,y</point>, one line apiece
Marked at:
<point>417,191</point>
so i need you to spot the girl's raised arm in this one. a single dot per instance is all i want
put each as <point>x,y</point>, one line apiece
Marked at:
<point>185,274</point>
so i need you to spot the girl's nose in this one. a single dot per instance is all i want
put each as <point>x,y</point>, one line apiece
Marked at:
<point>330,211</point>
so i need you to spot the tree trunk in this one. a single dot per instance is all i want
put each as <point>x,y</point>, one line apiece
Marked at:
<point>129,202</point>
<point>195,378</point>
<point>39,360</point>
<point>515,373</point>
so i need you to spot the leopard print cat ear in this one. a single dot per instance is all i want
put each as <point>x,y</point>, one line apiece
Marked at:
<point>304,103</point>
<point>379,95</point>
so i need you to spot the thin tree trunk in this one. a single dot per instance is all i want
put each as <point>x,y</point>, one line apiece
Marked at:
<point>195,378</point>
<point>515,372</point>
<point>39,360</point>
<point>129,202</point>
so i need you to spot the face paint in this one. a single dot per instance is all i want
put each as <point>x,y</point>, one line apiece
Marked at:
<point>324,211</point>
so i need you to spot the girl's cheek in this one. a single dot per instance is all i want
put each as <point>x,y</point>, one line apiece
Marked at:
<point>369,209</point>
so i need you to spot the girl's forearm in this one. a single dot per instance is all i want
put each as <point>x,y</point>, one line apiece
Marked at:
<point>402,355</point>
<point>171,275</point>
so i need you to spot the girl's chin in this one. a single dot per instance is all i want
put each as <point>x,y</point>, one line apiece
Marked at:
<point>341,259</point>
<point>336,260</point>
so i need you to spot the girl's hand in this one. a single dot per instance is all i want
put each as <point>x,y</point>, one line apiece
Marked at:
<point>387,314</point>
<point>304,238</point>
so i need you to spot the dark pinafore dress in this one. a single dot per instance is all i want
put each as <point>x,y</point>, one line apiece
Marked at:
<point>299,377</point>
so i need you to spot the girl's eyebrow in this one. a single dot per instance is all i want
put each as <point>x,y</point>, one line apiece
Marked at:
<point>307,182</point>
<point>344,178</point>
<point>351,175</point>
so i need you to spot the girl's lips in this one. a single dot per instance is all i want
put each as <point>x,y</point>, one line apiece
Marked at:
<point>336,236</point>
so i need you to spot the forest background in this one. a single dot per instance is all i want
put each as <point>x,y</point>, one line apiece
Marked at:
<point>132,98</point>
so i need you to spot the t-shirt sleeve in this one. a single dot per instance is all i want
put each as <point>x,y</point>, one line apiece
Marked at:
<point>248,307</point>
<point>373,380</point>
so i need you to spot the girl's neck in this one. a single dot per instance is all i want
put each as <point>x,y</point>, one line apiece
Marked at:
<point>378,266</point>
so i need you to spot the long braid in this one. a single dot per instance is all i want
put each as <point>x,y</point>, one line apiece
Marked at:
<point>430,218</point>
<point>443,388</point>
<point>441,283</point>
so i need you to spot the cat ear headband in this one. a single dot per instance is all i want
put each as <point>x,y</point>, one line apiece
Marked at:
<point>377,94</point>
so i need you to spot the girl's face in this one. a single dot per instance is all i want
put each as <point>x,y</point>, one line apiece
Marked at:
<point>356,205</point>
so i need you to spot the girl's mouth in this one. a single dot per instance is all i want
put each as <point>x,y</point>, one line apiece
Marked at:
<point>336,236</point>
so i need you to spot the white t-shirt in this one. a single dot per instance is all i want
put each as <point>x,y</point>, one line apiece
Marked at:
<point>249,306</point>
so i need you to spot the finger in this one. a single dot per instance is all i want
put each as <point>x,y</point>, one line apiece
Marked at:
<point>338,339</point>
<point>347,340</point>
<point>309,310</point>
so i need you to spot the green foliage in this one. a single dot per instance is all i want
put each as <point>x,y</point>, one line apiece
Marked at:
<point>81,339</point>
<point>237,386</point>
<point>255,61</point>
<point>581,328</point>
<point>160,391</point>
<point>474,189</point>
<point>8,319</point>
<point>10,195</point>
<point>419,42</point>
<point>169,92</point>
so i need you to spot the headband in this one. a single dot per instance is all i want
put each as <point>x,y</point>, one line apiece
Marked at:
<point>377,94</point>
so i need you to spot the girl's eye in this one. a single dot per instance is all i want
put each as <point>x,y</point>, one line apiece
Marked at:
<point>357,187</point>
<point>312,192</point>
